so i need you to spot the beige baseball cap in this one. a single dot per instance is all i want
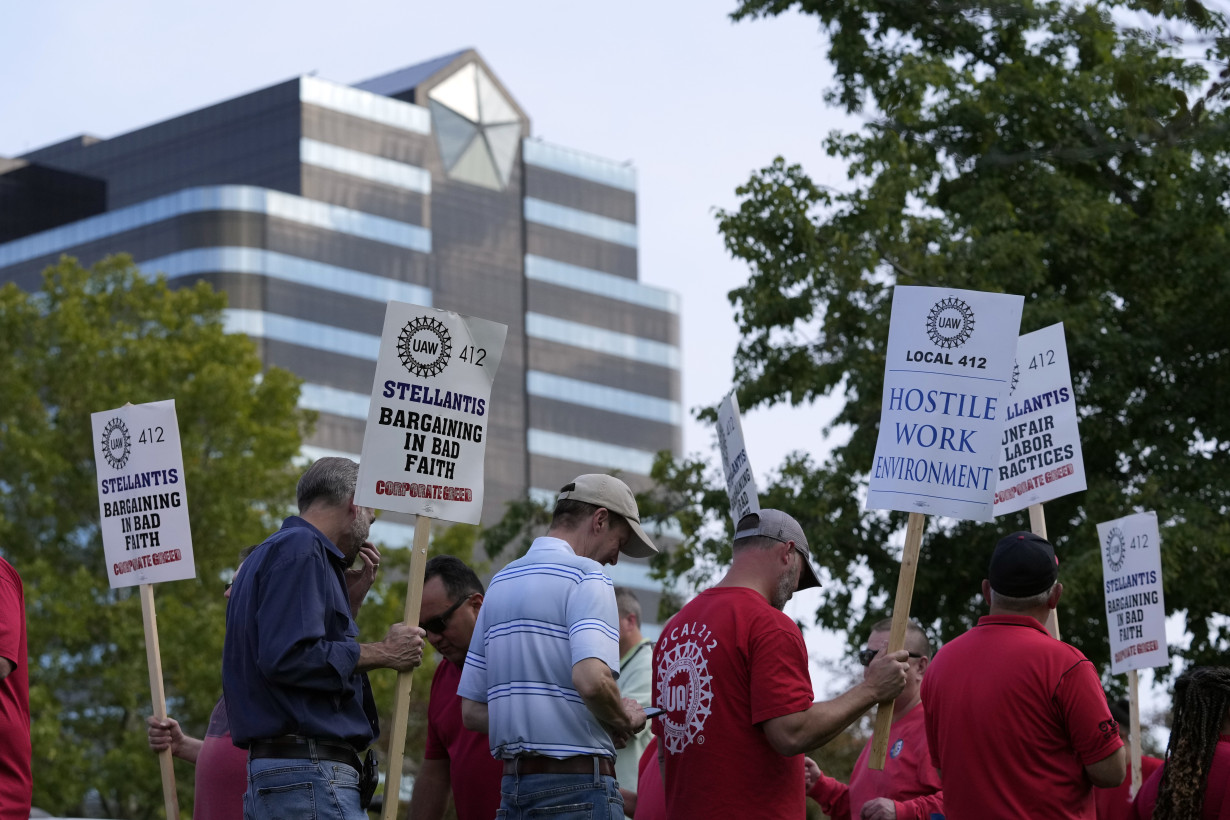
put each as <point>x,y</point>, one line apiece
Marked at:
<point>608,491</point>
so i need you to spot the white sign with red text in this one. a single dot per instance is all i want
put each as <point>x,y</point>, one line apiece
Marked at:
<point>1132,581</point>
<point>142,504</point>
<point>740,484</point>
<point>1040,451</point>
<point>947,370</point>
<point>427,424</point>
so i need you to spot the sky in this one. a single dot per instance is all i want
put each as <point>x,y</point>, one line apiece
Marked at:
<point>693,100</point>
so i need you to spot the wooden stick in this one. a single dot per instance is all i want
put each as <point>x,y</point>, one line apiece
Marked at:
<point>1037,524</point>
<point>896,636</point>
<point>401,700</point>
<point>153,657</point>
<point>1134,728</point>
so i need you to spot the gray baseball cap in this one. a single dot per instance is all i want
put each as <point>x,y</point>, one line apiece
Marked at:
<point>609,492</point>
<point>779,526</point>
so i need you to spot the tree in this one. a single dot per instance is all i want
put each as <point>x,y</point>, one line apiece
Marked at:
<point>91,340</point>
<point>1073,152</point>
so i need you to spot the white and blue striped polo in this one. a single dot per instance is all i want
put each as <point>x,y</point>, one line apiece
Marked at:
<point>542,614</point>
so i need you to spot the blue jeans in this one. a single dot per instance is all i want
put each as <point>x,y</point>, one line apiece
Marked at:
<point>560,797</point>
<point>301,789</point>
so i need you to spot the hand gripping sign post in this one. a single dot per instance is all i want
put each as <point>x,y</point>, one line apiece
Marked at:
<point>143,510</point>
<point>947,370</point>
<point>740,485</point>
<point>424,445</point>
<point>1040,455</point>
<point>1135,609</point>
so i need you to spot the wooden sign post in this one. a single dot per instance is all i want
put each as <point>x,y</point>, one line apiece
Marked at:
<point>1037,525</point>
<point>153,657</point>
<point>424,447</point>
<point>947,367</point>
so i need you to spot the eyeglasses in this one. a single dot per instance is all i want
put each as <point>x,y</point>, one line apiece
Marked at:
<point>438,624</point>
<point>866,656</point>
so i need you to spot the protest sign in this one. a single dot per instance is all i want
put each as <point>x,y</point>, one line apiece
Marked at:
<point>1132,578</point>
<point>142,503</point>
<point>947,369</point>
<point>1040,449</point>
<point>740,484</point>
<point>426,426</point>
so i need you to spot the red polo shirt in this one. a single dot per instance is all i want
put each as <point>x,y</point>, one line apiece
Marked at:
<point>1013,716</point>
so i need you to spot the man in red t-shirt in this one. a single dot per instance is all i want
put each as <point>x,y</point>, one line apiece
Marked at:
<point>1017,721</point>
<point>456,759</point>
<point>16,780</point>
<point>730,673</point>
<point>908,787</point>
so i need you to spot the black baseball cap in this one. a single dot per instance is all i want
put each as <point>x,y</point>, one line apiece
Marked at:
<point>1022,565</point>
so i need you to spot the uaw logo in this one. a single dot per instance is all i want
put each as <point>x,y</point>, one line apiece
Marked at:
<point>1116,549</point>
<point>424,346</point>
<point>116,443</point>
<point>950,323</point>
<point>896,750</point>
<point>685,687</point>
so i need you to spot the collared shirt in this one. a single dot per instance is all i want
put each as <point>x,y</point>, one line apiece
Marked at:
<point>542,614</point>
<point>291,651</point>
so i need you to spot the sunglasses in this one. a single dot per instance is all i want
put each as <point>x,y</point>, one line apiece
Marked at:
<point>866,656</point>
<point>438,624</point>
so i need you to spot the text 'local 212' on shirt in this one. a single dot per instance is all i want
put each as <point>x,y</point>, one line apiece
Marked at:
<point>1013,716</point>
<point>543,613</point>
<point>727,662</point>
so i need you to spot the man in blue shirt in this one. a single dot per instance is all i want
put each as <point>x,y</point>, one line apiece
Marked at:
<point>294,675</point>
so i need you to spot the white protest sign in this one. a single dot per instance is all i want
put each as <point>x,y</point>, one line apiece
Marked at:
<point>1132,575</point>
<point>947,368</point>
<point>1040,451</point>
<point>142,504</point>
<point>740,485</point>
<point>427,424</point>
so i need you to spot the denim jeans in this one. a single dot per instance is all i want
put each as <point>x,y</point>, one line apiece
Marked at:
<point>560,797</point>
<point>302,789</point>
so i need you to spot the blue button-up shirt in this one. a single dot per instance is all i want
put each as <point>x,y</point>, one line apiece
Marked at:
<point>291,651</point>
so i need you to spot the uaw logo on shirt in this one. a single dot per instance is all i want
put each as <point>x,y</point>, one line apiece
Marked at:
<point>897,747</point>
<point>116,443</point>
<point>685,690</point>
<point>950,323</point>
<point>424,346</point>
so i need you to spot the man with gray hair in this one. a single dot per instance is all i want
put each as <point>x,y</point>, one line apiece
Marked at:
<point>635,682</point>
<point>730,674</point>
<point>294,675</point>
<point>1017,721</point>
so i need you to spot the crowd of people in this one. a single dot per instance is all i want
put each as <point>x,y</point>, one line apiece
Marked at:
<point>537,707</point>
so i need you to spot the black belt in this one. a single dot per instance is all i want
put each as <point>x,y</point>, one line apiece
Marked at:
<point>305,748</point>
<point>580,764</point>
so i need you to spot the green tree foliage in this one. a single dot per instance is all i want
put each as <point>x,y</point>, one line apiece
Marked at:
<point>90,340</point>
<point>1073,152</point>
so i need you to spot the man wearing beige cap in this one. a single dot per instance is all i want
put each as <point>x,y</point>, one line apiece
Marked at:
<point>540,676</point>
<point>730,674</point>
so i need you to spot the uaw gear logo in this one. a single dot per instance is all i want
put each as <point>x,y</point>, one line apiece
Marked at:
<point>685,691</point>
<point>896,750</point>
<point>1116,549</point>
<point>425,346</point>
<point>116,443</point>
<point>950,323</point>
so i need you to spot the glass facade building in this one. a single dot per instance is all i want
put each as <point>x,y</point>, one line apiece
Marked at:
<point>312,203</point>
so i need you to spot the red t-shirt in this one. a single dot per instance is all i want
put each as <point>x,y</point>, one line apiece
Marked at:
<point>1216,788</point>
<point>650,796</point>
<point>16,781</point>
<point>473,772</point>
<point>725,664</point>
<point>221,771</point>
<point>908,777</point>
<point>1116,803</point>
<point>1013,716</point>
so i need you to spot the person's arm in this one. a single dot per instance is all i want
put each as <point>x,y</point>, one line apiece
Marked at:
<point>1110,770</point>
<point>432,787</point>
<point>802,731</point>
<point>401,649</point>
<point>595,683</point>
<point>832,795</point>
<point>629,802</point>
<point>166,734</point>
<point>6,668</point>
<point>474,716</point>
<point>359,581</point>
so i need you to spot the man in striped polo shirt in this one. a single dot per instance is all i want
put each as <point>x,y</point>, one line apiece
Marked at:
<point>540,676</point>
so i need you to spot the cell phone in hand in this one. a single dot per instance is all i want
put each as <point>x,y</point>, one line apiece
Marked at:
<point>652,711</point>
